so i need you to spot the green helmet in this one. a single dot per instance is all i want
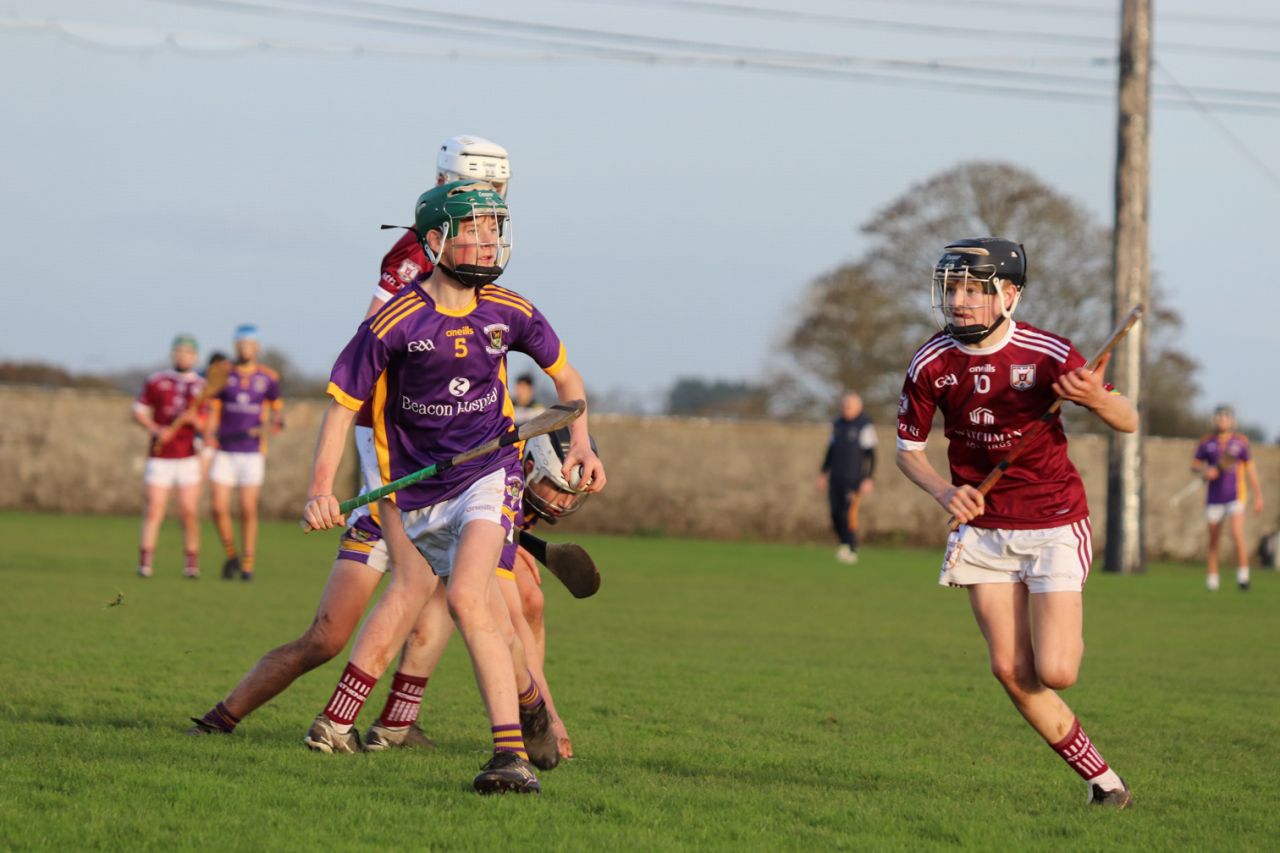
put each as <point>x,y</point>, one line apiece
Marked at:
<point>443,208</point>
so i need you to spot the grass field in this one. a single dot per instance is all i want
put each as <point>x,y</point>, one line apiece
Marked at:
<point>720,695</point>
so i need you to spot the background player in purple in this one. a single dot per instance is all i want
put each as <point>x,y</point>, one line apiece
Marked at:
<point>433,361</point>
<point>362,558</point>
<point>162,410</point>
<point>1022,552</point>
<point>241,413</point>
<point>1221,459</point>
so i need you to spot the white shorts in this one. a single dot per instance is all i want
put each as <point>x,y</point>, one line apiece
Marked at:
<point>172,472</point>
<point>1215,513</point>
<point>436,529</point>
<point>238,469</point>
<point>370,474</point>
<point>1052,559</point>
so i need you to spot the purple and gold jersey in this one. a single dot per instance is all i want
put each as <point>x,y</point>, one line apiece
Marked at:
<point>1228,452</point>
<point>250,395</point>
<point>438,382</point>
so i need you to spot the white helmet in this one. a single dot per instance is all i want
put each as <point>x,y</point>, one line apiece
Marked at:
<point>546,492</point>
<point>471,158</point>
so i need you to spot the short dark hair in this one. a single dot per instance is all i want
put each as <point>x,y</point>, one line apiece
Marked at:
<point>526,378</point>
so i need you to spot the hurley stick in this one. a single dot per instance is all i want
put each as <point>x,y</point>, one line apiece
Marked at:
<point>557,416</point>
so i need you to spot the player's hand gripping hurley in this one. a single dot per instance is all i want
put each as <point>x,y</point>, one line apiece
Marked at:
<point>557,416</point>
<point>1038,427</point>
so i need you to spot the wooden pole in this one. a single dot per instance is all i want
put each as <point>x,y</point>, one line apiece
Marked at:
<point>1131,257</point>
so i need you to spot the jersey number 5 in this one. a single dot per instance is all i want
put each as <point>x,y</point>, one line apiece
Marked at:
<point>459,347</point>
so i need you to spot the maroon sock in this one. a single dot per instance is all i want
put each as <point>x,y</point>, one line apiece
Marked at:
<point>144,558</point>
<point>1078,751</point>
<point>404,700</point>
<point>220,718</point>
<point>349,696</point>
<point>191,561</point>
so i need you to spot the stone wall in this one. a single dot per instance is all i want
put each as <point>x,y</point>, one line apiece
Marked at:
<point>75,451</point>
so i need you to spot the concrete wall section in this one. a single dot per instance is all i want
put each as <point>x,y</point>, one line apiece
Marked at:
<point>75,451</point>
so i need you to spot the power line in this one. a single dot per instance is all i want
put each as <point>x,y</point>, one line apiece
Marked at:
<point>949,30</point>
<point>660,50</point>
<point>1236,141</point>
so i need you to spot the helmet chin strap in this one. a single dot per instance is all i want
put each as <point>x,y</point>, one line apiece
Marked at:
<point>473,275</point>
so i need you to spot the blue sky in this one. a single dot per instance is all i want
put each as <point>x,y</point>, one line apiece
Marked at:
<point>160,172</point>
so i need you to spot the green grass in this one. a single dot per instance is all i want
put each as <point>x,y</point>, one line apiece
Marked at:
<point>720,695</point>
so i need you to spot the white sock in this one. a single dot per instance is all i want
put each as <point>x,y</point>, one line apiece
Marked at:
<point>1211,582</point>
<point>1242,574</point>
<point>1108,781</point>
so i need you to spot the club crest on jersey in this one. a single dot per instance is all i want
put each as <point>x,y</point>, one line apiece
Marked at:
<point>494,333</point>
<point>408,271</point>
<point>1022,376</point>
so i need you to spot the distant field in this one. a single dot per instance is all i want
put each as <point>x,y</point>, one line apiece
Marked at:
<point>720,695</point>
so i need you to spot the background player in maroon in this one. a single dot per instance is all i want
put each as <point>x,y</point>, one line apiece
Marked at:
<point>161,409</point>
<point>1023,551</point>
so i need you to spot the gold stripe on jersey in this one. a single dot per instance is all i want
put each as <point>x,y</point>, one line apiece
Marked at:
<point>380,445</point>
<point>397,320</point>
<point>342,398</point>
<point>500,300</point>
<point>498,290</point>
<point>391,307</point>
<point>385,321</point>
<point>556,366</point>
<point>505,574</point>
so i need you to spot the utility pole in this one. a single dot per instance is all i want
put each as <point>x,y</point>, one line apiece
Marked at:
<point>1131,260</point>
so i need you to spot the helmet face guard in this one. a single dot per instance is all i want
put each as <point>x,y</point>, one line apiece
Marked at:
<point>546,492</point>
<point>968,279</point>
<point>470,214</point>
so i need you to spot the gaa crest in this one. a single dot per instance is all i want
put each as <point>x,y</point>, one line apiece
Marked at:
<point>1022,376</point>
<point>494,333</point>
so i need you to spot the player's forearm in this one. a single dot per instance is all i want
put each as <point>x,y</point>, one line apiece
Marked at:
<point>570,386</point>
<point>917,468</point>
<point>1117,412</point>
<point>329,447</point>
<point>144,420</point>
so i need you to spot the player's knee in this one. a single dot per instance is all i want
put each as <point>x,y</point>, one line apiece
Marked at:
<point>466,606</point>
<point>320,644</point>
<point>1057,675</point>
<point>1014,676</point>
<point>532,603</point>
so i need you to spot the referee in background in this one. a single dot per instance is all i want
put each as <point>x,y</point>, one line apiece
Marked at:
<point>846,472</point>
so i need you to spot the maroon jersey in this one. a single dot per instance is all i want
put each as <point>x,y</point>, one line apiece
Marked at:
<point>405,264</point>
<point>167,394</point>
<point>989,397</point>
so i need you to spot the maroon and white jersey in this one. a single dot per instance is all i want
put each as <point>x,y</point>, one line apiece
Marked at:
<point>989,397</point>
<point>167,394</point>
<point>405,264</point>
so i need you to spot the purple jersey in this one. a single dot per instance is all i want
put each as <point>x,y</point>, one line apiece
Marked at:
<point>1227,452</point>
<point>438,382</point>
<point>250,395</point>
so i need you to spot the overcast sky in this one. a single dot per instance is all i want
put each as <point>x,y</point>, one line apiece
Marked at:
<point>194,165</point>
